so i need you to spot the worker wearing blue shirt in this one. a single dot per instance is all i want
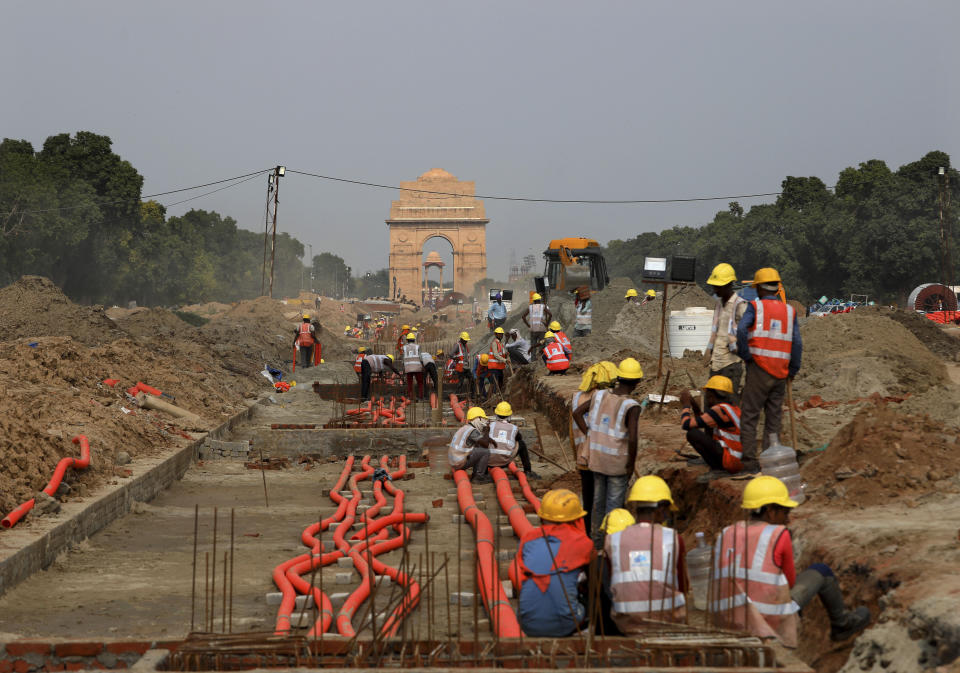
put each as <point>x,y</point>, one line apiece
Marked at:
<point>497,315</point>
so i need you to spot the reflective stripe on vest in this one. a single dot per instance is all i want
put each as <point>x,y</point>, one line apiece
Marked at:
<point>504,435</point>
<point>607,438</point>
<point>752,593</point>
<point>643,577</point>
<point>538,322</point>
<point>358,363</point>
<point>496,348</point>
<point>730,438</point>
<point>411,358</point>
<point>376,363</point>
<point>771,337</point>
<point>580,439</point>
<point>305,338</point>
<point>564,341</point>
<point>557,360</point>
<point>458,452</point>
<point>584,315</point>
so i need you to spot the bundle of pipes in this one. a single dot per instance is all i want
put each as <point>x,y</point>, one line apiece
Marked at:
<point>362,549</point>
<point>377,412</point>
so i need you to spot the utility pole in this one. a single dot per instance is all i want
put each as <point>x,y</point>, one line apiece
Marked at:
<point>277,174</point>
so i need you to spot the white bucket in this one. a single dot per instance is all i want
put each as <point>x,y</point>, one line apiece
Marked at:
<point>689,330</point>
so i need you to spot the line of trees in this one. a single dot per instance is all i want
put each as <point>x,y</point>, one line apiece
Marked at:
<point>876,233</point>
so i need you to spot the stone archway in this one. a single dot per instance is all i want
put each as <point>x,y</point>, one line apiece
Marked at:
<point>418,216</point>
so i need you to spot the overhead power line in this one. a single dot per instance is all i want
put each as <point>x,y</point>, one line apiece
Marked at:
<point>533,199</point>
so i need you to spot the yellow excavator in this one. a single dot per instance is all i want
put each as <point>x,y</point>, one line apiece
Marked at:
<point>574,262</point>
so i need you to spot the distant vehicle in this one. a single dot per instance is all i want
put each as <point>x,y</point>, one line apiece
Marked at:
<point>572,262</point>
<point>505,295</point>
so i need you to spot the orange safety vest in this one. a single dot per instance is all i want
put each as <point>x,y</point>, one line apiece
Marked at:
<point>750,592</point>
<point>729,439</point>
<point>564,341</point>
<point>771,336</point>
<point>496,349</point>
<point>460,356</point>
<point>580,439</point>
<point>643,577</point>
<point>358,362</point>
<point>557,360</point>
<point>305,338</point>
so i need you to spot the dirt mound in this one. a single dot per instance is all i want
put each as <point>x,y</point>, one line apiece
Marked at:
<point>640,325</point>
<point>941,403</point>
<point>880,455</point>
<point>207,310</point>
<point>857,354</point>
<point>928,332</point>
<point>33,307</point>
<point>156,322</point>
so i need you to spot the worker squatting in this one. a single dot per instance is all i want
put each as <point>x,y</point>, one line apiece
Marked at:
<point>754,583</point>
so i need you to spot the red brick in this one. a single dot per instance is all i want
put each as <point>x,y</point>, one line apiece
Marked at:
<point>77,649</point>
<point>6,666</point>
<point>121,664</point>
<point>21,666</point>
<point>76,665</point>
<point>122,647</point>
<point>17,648</point>
<point>55,667</point>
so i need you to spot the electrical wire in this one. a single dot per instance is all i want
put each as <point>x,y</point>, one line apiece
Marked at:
<point>532,199</point>
<point>213,191</point>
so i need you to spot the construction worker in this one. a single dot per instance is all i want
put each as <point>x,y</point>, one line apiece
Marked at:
<point>611,440</point>
<point>497,313</point>
<point>413,366</point>
<point>508,441</point>
<point>430,368</point>
<point>518,348</point>
<point>374,364</point>
<point>648,575</point>
<point>648,297</point>
<point>497,361</point>
<point>721,354</point>
<point>562,338</point>
<point>631,297</point>
<point>554,355</point>
<point>358,361</point>
<point>536,317</point>
<point>404,331</point>
<point>597,377</point>
<point>754,584</point>
<point>715,434</point>
<point>470,447</point>
<point>552,561</point>
<point>617,520</point>
<point>583,323</point>
<point>460,363</point>
<point>481,374</point>
<point>303,339</point>
<point>768,340</point>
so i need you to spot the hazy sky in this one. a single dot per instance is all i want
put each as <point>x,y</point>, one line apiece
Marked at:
<point>593,100</point>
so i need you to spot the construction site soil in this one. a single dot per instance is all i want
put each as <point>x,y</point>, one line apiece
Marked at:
<point>876,409</point>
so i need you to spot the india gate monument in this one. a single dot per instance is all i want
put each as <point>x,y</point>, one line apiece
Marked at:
<point>455,215</point>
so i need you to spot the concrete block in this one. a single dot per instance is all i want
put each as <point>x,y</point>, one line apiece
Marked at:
<point>345,562</point>
<point>274,598</point>
<point>505,554</point>
<point>465,555</point>
<point>506,531</point>
<point>507,588</point>
<point>534,519</point>
<point>337,599</point>
<point>343,578</point>
<point>457,518</point>
<point>303,602</point>
<point>464,598</point>
<point>383,581</point>
<point>304,618</point>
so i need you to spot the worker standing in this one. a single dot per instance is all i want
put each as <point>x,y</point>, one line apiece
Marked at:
<point>609,420</point>
<point>583,323</point>
<point>754,584</point>
<point>374,364</point>
<point>562,338</point>
<point>536,317</point>
<point>303,339</point>
<point>715,433</point>
<point>461,362</point>
<point>552,562</point>
<point>508,441</point>
<point>404,331</point>
<point>430,368</point>
<point>470,447</point>
<point>597,377</point>
<point>721,354</point>
<point>413,366</point>
<point>497,360</point>
<point>497,313</point>
<point>648,576</point>
<point>768,340</point>
<point>358,361</point>
<point>554,355</point>
<point>631,297</point>
<point>518,348</point>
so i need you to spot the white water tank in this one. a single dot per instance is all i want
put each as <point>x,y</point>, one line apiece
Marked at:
<point>689,330</point>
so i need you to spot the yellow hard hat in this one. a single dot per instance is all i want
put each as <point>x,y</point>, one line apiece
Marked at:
<point>766,490</point>
<point>414,328</point>
<point>651,293</point>
<point>555,326</point>
<point>722,274</point>
<point>347,328</point>
<point>721,383</point>
<point>362,349</point>
<point>484,358</point>
<point>765,275</point>
<point>650,488</point>
<point>549,335</point>
<point>464,336</point>
<point>503,409</point>
<point>536,296</point>
<point>630,369</point>
<point>411,337</point>
<point>390,356</point>
<point>405,327</point>
<point>306,316</point>
<point>560,505</point>
<point>439,353</point>
<point>617,520</point>
<point>475,412</point>
<point>630,293</point>
<point>322,361</point>
<point>499,330</point>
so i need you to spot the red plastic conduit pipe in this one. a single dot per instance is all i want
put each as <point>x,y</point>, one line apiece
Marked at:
<point>457,408</point>
<point>491,589</point>
<point>514,510</point>
<point>525,486</point>
<point>50,489</point>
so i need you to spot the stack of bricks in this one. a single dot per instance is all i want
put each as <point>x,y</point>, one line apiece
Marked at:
<point>215,448</point>
<point>26,657</point>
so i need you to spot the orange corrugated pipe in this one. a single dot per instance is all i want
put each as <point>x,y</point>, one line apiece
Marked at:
<point>50,489</point>
<point>525,486</point>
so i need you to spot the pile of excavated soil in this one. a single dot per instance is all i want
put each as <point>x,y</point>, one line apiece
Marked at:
<point>155,322</point>
<point>857,354</point>
<point>207,310</point>
<point>33,307</point>
<point>941,403</point>
<point>640,325</point>
<point>883,454</point>
<point>928,332</point>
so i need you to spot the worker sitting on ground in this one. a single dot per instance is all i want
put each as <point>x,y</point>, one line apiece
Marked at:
<point>597,377</point>
<point>497,362</point>
<point>631,297</point>
<point>583,323</point>
<point>536,317</point>
<point>754,584</point>
<point>518,348</point>
<point>508,441</point>
<point>554,355</point>
<point>609,420</point>
<point>412,366</point>
<point>358,361</point>
<point>714,434</point>
<point>470,447</point>
<point>768,340</point>
<point>497,314</point>
<point>562,338</point>
<point>374,364</point>
<point>303,340</point>
<point>430,368</point>
<point>648,576</point>
<point>552,562</point>
<point>461,365</point>
<point>648,297</point>
<point>721,354</point>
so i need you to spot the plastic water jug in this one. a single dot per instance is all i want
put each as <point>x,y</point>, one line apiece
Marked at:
<point>698,568</point>
<point>781,462</point>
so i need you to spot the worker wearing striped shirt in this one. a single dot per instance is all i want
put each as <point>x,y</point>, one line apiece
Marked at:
<point>715,433</point>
